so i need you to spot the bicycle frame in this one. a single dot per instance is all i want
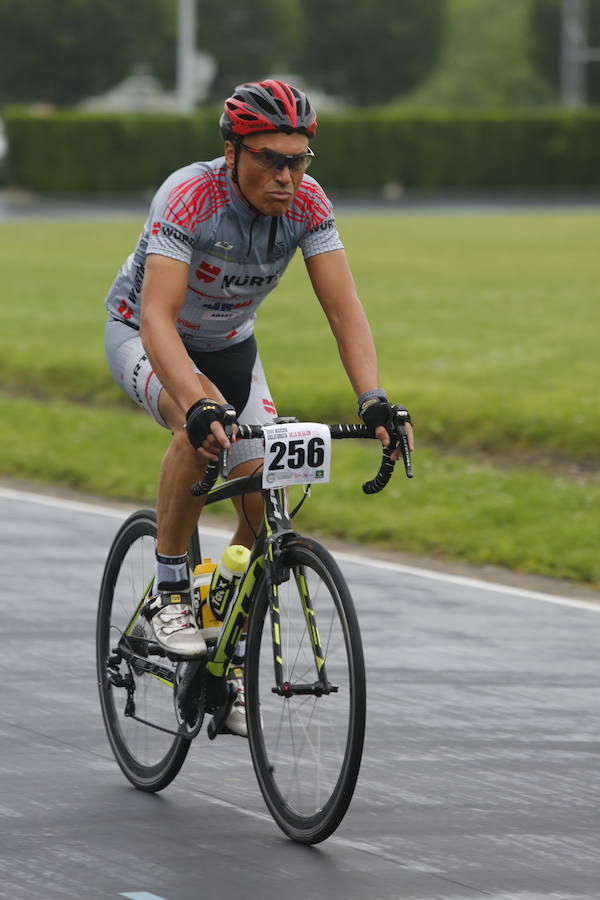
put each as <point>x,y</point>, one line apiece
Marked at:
<point>266,556</point>
<point>275,530</point>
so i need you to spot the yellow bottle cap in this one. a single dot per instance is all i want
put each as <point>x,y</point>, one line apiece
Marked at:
<point>236,558</point>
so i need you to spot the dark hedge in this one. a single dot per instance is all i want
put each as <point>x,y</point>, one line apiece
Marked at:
<point>73,152</point>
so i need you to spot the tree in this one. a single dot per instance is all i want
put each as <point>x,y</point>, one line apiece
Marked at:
<point>249,40</point>
<point>485,58</point>
<point>369,52</point>
<point>60,51</point>
<point>545,41</point>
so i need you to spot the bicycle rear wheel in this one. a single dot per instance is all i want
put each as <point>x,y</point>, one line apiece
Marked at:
<point>307,748</point>
<point>135,681</point>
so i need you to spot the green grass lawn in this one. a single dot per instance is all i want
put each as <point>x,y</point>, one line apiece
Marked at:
<point>487,328</point>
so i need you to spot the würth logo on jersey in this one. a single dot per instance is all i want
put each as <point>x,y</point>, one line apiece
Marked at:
<point>173,233</point>
<point>269,406</point>
<point>206,272</point>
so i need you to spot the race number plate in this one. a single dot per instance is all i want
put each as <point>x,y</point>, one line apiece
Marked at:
<point>296,453</point>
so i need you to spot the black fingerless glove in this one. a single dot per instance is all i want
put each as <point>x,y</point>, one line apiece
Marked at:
<point>202,414</point>
<point>375,411</point>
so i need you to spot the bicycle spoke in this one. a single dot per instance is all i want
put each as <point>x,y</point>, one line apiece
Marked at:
<point>136,697</point>
<point>306,740</point>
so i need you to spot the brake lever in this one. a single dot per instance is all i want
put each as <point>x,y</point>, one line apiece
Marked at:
<point>400,418</point>
<point>229,420</point>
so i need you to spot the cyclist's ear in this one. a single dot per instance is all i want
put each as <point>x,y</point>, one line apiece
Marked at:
<point>230,155</point>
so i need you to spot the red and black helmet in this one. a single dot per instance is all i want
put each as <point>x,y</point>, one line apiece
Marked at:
<point>267,106</point>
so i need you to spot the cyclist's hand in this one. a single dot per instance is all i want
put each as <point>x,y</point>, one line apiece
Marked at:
<point>381,418</point>
<point>384,437</point>
<point>209,426</point>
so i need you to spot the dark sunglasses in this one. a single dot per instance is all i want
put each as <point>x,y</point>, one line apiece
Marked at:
<point>269,159</point>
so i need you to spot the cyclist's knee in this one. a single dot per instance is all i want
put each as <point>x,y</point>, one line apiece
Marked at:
<point>184,454</point>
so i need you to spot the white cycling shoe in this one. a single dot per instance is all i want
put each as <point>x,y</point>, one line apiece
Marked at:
<point>236,720</point>
<point>173,623</point>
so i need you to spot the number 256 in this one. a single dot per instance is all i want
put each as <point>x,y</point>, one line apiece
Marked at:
<point>297,455</point>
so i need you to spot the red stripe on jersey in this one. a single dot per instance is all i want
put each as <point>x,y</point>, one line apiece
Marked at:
<point>195,201</point>
<point>310,206</point>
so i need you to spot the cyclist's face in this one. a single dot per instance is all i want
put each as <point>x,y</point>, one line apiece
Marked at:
<point>270,191</point>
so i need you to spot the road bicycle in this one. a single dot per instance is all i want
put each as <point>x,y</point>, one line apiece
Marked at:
<point>304,671</point>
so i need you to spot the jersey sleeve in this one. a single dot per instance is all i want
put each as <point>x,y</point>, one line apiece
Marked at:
<point>179,209</point>
<point>169,240</point>
<point>317,210</point>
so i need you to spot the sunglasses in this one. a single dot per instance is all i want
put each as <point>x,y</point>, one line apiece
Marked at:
<point>269,159</point>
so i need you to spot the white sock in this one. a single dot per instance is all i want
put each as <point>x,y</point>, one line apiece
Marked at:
<point>171,569</point>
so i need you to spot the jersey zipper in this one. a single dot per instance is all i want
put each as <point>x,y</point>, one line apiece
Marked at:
<point>272,236</point>
<point>249,248</point>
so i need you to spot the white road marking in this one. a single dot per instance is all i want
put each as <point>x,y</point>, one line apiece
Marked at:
<point>432,575</point>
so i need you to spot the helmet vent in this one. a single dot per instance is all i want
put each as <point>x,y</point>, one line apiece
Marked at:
<point>264,104</point>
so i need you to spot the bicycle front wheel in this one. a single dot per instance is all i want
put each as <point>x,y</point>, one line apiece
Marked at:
<point>306,734</point>
<point>135,680</point>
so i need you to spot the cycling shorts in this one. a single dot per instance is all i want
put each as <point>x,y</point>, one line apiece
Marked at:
<point>236,370</point>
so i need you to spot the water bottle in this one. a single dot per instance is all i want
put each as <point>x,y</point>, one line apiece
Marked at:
<point>209,626</point>
<point>226,578</point>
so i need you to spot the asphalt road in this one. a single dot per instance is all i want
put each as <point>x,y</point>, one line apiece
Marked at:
<point>480,776</point>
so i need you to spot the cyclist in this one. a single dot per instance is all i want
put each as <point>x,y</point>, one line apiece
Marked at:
<point>179,336</point>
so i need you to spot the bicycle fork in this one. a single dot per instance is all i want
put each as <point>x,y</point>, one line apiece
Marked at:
<point>284,687</point>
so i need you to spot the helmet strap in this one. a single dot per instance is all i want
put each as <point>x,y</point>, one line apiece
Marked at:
<point>236,159</point>
<point>234,172</point>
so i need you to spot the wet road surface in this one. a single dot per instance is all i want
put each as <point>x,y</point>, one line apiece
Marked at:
<point>479,780</point>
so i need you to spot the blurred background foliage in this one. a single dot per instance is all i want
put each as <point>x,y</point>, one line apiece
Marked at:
<point>430,52</point>
<point>486,58</point>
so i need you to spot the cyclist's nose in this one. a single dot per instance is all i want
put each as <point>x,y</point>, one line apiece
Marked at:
<point>283,174</point>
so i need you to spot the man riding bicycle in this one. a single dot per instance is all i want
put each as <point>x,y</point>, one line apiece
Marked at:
<point>180,333</point>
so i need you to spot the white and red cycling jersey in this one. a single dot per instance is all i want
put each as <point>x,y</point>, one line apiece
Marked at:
<point>235,257</point>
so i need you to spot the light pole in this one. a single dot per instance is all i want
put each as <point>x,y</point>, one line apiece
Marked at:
<point>186,54</point>
<point>575,52</point>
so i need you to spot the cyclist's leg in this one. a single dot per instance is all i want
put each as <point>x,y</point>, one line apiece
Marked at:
<point>177,509</point>
<point>235,374</point>
<point>171,605</point>
<point>246,457</point>
<point>238,374</point>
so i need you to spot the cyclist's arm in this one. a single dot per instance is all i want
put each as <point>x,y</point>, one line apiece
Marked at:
<point>334,286</point>
<point>165,283</point>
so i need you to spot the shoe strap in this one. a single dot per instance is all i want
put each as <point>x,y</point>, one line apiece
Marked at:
<point>155,604</point>
<point>236,672</point>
